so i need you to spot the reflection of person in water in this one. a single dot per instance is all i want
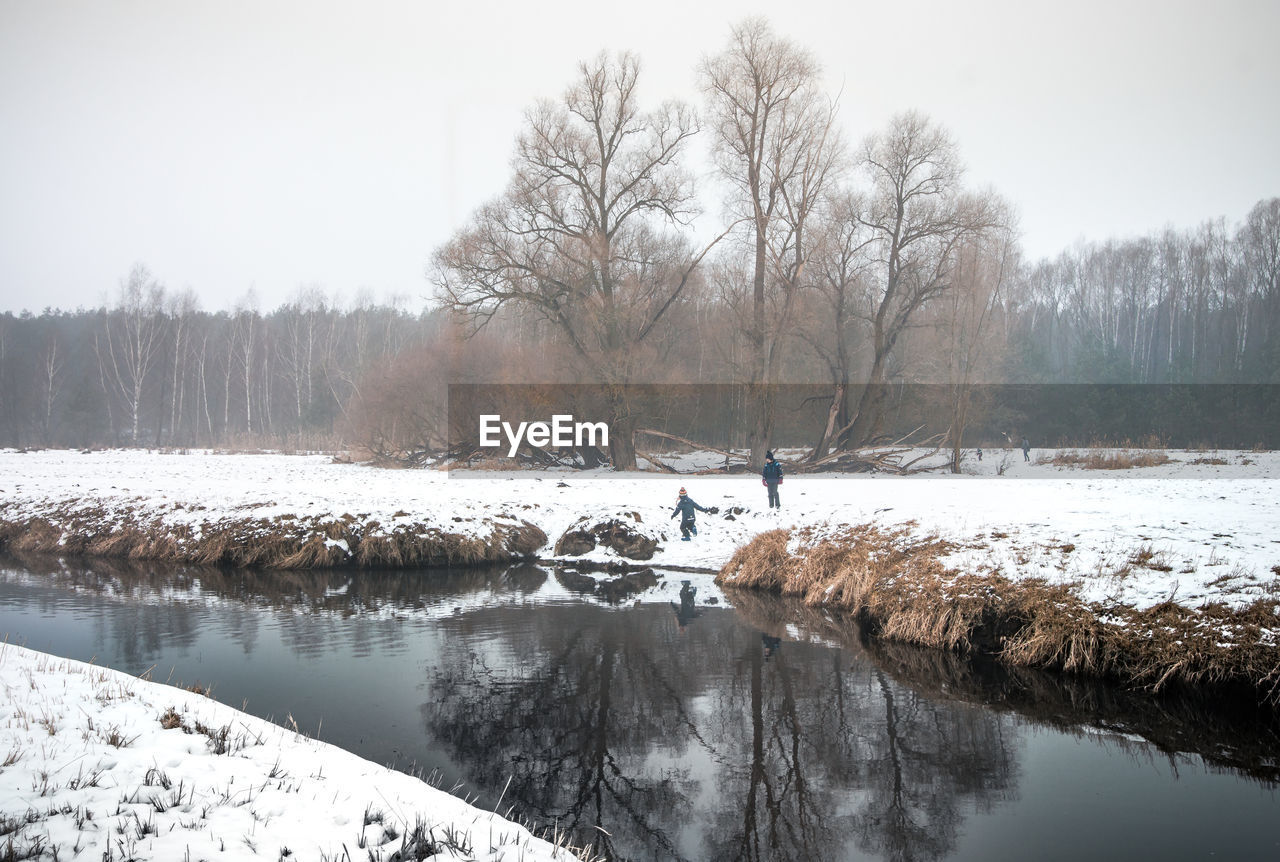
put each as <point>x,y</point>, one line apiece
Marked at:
<point>686,610</point>
<point>771,645</point>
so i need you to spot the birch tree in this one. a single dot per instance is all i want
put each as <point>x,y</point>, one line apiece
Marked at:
<point>131,341</point>
<point>52,363</point>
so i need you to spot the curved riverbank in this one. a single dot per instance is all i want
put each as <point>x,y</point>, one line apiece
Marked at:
<point>285,541</point>
<point>1154,574</point>
<point>899,587</point>
<point>98,762</point>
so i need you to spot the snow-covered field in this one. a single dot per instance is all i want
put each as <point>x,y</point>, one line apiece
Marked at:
<point>96,764</point>
<point>1201,528</point>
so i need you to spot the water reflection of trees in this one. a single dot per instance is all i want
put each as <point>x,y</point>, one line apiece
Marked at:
<point>617,726</point>
<point>344,591</point>
<point>571,722</point>
<point>160,604</point>
<point>1226,734</point>
<point>722,738</point>
<point>828,750</point>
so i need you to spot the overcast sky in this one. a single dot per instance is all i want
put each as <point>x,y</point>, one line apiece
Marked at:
<point>278,145</point>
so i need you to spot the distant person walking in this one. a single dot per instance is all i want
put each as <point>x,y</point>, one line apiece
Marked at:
<point>771,478</point>
<point>685,508</point>
<point>1026,448</point>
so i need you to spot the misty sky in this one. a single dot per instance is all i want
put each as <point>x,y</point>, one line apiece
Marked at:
<point>281,145</point>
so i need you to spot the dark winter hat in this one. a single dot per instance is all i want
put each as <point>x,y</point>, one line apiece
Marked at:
<point>769,454</point>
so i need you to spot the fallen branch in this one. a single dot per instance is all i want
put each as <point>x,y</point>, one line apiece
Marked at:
<point>702,447</point>
<point>653,459</point>
<point>883,460</point>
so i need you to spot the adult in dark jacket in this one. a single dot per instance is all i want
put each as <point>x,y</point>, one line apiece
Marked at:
<point>771,476</point>
<point>685,507</point>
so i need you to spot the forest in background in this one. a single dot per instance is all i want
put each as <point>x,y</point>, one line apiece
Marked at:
<point>852,270</point>
<point>1182,307</point>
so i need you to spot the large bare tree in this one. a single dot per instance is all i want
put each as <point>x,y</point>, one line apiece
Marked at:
<point>587,235</point>
<point>917,215</point>
<point>777,146</point>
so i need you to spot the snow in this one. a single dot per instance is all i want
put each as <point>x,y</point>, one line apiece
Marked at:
<point>93,773</point>
<point>1206,530</point>
<point>1198,529</point>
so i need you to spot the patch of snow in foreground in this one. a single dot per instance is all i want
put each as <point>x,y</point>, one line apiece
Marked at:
<point>86,764</point>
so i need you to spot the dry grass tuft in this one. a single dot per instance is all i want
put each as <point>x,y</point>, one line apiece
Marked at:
<point>1052,628</point>
<point>317,552</point>
<point>115,738</point>
<point>1148,558</point>
<point>894,584</point>
<point>1105,460</point>
<point>761,564</point>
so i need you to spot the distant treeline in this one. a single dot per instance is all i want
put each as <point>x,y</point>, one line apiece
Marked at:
<point>1197,307</point>
<point>153,370</point>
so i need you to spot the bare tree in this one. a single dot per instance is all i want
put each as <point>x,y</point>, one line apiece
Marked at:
<point>777,146</point>
<point>202,379</point>
<point>840,271</point>
<point>1260,239</point>
<point>242,344</point>
<point>984,262</point>
<point>52,362</point>
<point>917,216</point>
<point>296,350</point>
<point>131,341</point>
<point>582,236</point>
<point>182,310</point>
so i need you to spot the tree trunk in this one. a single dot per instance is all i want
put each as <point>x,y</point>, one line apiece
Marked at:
<point>958,420</point>
<point>622,440</point>
<point>823,445</point>
<point>760,400</point>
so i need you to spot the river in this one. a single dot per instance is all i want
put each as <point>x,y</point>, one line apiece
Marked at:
<point>763,730</point>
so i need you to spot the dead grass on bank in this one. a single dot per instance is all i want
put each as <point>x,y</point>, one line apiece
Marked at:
<point>887,578</point>
<point>1106,460</point>
<point>285,542</point>
<point>894,584</point>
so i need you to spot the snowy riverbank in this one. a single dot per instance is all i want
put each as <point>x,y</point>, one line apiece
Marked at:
<point>90,768</point>
<point>1198,529</point>
<point>97,764</point>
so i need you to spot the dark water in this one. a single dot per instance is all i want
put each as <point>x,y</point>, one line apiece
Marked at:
<point>708,740</point>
